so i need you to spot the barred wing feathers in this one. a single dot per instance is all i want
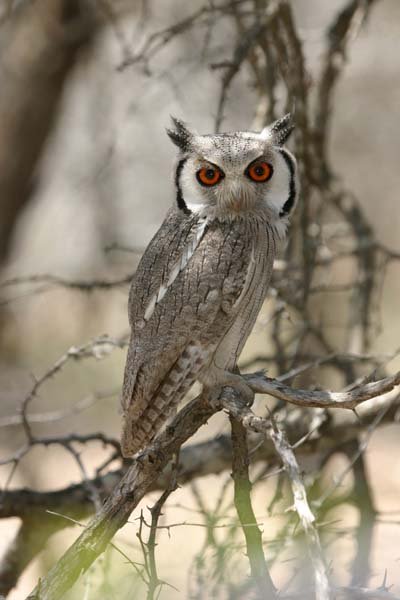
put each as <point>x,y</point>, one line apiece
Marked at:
<point>182,301</point>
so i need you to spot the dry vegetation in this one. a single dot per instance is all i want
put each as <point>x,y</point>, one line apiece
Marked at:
<point>332,253</point>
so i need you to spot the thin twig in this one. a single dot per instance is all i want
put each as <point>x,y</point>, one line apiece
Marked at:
<point>156,510</point>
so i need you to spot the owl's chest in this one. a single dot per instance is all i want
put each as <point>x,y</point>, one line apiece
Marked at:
<point>247,305</point>
<point>234,259</point>
<point>251,280</point>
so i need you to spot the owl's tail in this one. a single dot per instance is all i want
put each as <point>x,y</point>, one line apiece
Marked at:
<point>145,412</point>
<point>139,430</point>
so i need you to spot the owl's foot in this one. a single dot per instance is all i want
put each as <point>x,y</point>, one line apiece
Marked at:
<point>235,381</point>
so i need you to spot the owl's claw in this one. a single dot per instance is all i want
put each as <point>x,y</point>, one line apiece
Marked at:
<point>236,382</point>
<point>240,385</point>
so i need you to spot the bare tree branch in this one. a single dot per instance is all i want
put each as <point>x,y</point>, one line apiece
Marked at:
<point>345,27</point>
<point>323,399</point>
<point>98,348</point>
<point>83,286</point>
<point>145,471</point>
<point>301,505</point>
<point>242,488</point>
<point>244,46</point>
<point>116,511</point>
<point>154,581</point>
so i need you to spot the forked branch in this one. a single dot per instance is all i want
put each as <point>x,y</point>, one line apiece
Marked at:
<point>148,466</point>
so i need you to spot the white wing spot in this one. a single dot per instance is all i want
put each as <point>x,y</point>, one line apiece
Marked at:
<point>180,264</point>
<point>249,275</point>
<point>161,292</point>
<point>174,274</point>
<point>150,308</point>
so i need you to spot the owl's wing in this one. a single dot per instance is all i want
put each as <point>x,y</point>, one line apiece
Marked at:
<point>182,301</point>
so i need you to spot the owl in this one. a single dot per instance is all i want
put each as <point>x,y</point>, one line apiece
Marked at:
<point>204,276</point>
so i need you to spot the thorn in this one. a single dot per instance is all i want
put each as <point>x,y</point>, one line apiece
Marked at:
<point>357,415</point>
<point>261,373</point>
<point>384,587</point>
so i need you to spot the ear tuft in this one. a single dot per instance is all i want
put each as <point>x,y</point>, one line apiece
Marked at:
<point>281,129</point>
<point>279,132</point>
<point>180,135</point>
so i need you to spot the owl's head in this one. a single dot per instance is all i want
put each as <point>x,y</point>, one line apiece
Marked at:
<point>228,175</point>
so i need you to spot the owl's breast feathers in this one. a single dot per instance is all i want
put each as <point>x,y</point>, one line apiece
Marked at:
<point>193,281</point>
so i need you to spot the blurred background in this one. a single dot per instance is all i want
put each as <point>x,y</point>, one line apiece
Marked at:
<point>86,169</point>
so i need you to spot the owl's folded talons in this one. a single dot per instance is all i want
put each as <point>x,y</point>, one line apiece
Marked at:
<point>234,382</point>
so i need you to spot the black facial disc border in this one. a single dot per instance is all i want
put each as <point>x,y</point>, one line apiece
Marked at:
<point>179,196</point>
<point>287,207</point>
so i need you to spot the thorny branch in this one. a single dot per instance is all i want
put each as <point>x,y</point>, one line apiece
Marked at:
<point>202,459</point>
<point>98,348</point>
<point>154,582</point>
<point>246,43</point>
<point>345,28</point>
<point>139,478</point>
<point>84,285</point>
<point>115,512</point>
<point>158,40</point>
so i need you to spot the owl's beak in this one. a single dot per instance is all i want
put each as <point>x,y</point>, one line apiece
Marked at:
<point>234,196</point>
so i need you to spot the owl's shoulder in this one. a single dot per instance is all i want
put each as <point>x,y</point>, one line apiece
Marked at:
<point>163,251</point>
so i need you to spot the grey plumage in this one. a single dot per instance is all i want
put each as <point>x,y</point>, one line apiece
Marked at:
<point>203,278</point>
<point>281,129</point>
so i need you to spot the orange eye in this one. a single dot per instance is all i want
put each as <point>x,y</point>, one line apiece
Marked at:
<point>259,171</point>
<point>209,176</point>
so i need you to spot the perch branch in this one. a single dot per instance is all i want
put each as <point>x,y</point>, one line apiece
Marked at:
<point>148,466</point>
<point>196,460</point>
<point>322,398</point>
<point>144,471</point>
